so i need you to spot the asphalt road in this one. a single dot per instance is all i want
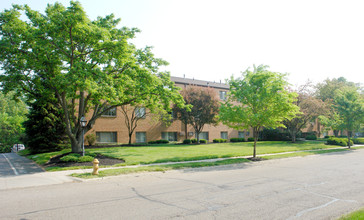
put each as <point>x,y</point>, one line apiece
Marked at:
<point>314,187</point>
<point>11,164</point>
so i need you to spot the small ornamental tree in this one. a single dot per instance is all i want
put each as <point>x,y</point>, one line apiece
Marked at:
<point>349,104</point>
<point>258,99</point>
<point>310,108</point>
<point>204,108</point>
<point>90,66</point>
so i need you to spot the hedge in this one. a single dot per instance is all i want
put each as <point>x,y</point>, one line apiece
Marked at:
<point>219,140</point>
<point>338,141</point>
<point>159,142</point>
<point>358,140</point>
<point>251,139</point>
<point>311,137</point>
<point>237,139</point>
<point>203,141</point>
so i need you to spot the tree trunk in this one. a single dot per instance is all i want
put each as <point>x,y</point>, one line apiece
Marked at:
<point>255,134</point>
<point>349,136</point>
<point>293,135</point>
<point>198,137</point>
<point>186,135</point>
<point>130,134</point>
<point>336,133</point>
<point>76,144</point>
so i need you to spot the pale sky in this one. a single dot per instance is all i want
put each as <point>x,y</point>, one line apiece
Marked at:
<point>214,39</point>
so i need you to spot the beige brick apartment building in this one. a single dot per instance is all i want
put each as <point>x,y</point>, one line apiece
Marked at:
<point>111,127</point>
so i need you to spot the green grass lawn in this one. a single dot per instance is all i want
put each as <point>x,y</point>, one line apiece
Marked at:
<point>175,153</point>
<point>359,214</point>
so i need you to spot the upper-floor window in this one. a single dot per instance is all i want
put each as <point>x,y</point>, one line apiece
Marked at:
<point>222,95</point>
<point>110,113</point>
<point>140,112</point>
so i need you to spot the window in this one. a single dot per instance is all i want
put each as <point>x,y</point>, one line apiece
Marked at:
<point>140,137</point>
<point>241,134</point>
<point>140,112</point>
<point>222,95</point>
<point>224,135</point>
<point>106,137</point>
<point>170,136</point>
<point>110,113</point>
<point>203,135</point>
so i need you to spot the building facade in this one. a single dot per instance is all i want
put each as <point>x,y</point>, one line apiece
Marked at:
<point>111,127</point>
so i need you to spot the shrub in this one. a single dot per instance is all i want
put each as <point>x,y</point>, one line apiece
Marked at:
<point>358,140</point>
<point>338,141</point>
<point>5,149</point>
<point>270,134</point>
<point>237,139</point>
<point>311,137</point>
<point>70,158</point>
<point>187,141</point>
<point>91,139</point>
<point>85,159</point>
<point>250,139</point>
<point>194,140</point>
<point>203,141</point>
<point>162,141</point>
<point>219,140</point>
<point>328,136</point>
<point>159,142</point>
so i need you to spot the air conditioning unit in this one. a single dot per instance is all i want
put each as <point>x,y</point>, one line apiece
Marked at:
<point>182,133</point>
<point>190,133</point>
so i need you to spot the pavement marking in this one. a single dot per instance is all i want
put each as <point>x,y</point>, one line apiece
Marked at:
<point>11,165</point>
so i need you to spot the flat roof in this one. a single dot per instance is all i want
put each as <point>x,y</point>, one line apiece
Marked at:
<point>197,82</point>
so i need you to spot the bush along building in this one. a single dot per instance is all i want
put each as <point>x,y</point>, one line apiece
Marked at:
<point>137,125</point>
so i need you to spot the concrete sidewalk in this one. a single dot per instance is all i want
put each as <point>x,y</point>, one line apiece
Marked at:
<point>59,177</point>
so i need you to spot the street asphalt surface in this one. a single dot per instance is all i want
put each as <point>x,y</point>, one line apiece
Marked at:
<point>322,186</point>
<point>11,164</point>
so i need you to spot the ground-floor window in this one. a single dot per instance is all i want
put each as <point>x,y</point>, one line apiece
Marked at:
<point>170,136</point>
<point>140,137</point>
<point>224,135</point>
<point>203,135</point>
<point>241,134</point>
<point>106,137</point>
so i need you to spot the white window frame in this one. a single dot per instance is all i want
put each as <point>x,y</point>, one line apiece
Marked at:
<point>113,136</point>
<point>138,135</point>
<point>222,95</point>
<point>170,136</point>
<point>225,133</point>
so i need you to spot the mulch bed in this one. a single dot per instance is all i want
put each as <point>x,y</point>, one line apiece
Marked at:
<point>256,159</point>
<point>56,162</point>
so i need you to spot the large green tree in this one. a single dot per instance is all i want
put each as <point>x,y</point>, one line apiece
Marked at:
<point>349,104</point>
<point>90,66</point>
<point>204,110</point>
<point>258,99</point>
<point>12,115</point>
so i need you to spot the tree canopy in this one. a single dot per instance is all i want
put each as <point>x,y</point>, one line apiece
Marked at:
<point>12,115</point>
<point>349,104</point>
<point>89,66</point>
<point>258,99</point>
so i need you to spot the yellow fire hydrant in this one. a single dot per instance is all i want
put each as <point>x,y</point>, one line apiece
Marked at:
<point>96,167</point>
